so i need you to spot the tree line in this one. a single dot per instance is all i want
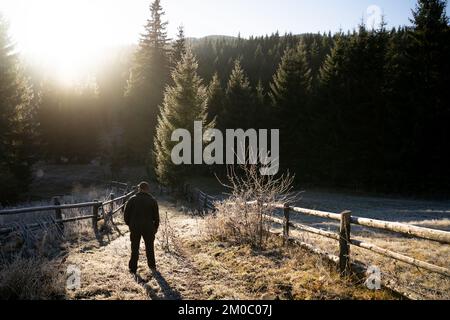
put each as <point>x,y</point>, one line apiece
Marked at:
<point>366,109</point>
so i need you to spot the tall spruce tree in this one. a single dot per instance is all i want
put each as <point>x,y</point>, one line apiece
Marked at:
<point>428,74</point>
<point>148,78</point>
<point>352,97</point>
<point>184,103</point>
<point>290,95</point>
<point>179,47</point>
<point>216,97</point>
<point>291,83</point>
<point>262,107</point>
<point>18,127</point>
<point>239,106</point>
<point>430,15</point>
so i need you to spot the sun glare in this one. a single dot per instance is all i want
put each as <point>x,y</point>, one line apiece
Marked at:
<point>65,37</point>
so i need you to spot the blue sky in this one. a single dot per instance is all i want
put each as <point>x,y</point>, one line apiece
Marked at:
<point>265,16</point>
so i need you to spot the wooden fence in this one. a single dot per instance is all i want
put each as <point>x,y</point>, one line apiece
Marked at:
<point>101,211</point>
<point>345,239</point>
<point>200,201</point>
<point>206,203</point>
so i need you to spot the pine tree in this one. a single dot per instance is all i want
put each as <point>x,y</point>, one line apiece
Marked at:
<point>216,97</point>
<point>289,93</point>
<point>352,98</point>
<point>427,73</point>
<point>239,102</point>
<point>260,93</point>
<point>179,47</point>
<point>18,127</point>
<point>292,82</point>
<point>430,15</point>
<point>184,103</point>
<point>315,61</point>
<point>148,78</point>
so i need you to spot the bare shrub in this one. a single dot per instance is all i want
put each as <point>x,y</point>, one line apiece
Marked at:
<point>245,216</point>
<point>167,237</point>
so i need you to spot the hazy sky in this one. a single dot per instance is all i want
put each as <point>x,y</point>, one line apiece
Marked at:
<point>65,33</point>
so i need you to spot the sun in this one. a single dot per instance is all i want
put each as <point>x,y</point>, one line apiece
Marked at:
<point>64,37</point>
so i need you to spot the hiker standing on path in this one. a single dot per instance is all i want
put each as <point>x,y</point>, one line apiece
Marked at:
<point>142,216</point>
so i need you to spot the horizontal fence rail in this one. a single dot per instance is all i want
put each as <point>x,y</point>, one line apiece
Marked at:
<point>409,230</point>
<point>346,240</point>
<point>114,200</point>
<point>201,201</point>
<point>367,246</point>
<point>405,229</point>
<point>96,206</point>
<point>301,227</point>
<point>401,257</point>
<point>344,236</point>
<point>47,208</point>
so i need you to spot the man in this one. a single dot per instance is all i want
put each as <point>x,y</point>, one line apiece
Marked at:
<point>142,216</point>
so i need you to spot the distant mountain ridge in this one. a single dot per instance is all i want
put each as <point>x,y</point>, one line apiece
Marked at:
<point>193,40</point>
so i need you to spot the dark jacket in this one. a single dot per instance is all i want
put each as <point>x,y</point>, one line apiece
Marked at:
<point>142,214</point>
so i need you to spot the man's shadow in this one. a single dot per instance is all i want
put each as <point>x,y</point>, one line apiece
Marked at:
<point>168,292</point>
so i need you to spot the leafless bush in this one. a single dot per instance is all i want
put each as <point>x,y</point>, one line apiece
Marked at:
<point>245,217</point>
<point>167,237</point>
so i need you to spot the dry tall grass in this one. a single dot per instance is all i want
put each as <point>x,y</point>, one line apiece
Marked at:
<point>36,278</point>
<point>31,258</point>
<point>416,283</point>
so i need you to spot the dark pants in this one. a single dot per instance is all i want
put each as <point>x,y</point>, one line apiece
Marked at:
<point>149,239</point>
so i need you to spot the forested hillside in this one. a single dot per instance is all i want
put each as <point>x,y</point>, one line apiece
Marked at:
<point>364,109</point>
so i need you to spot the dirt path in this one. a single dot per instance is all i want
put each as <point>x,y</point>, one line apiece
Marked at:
<point>104,269</point>
<point>199,269</point>
<point>183,273</point>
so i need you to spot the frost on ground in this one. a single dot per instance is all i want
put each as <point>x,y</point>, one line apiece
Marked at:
<point>193,268</point>
<point>415,282</point>
<point>430,214</point>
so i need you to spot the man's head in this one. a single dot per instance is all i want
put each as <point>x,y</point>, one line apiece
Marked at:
<point>144,187</point>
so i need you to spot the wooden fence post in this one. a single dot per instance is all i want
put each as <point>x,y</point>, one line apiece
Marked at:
<point>111,207</point>
<point>95,210</point>
<point>58,213</point>
<point>126,192</point>
<point>112,197</point>
<point>287,223</point>
<point>344,243</point>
